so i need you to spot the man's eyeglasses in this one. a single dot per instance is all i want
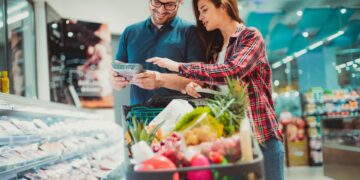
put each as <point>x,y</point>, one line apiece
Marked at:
<point>168,6</point>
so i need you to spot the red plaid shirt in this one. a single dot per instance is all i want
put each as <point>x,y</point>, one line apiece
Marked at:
<point>246,59</point>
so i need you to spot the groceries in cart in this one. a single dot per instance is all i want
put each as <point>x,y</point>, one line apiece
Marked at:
<point>183,136</point>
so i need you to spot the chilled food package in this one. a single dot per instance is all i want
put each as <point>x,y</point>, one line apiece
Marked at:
<point>127,70</point>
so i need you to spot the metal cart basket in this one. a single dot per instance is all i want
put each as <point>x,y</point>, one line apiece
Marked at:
<point>147,113</point>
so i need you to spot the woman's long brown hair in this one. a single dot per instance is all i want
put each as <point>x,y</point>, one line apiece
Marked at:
<point>213,41</point>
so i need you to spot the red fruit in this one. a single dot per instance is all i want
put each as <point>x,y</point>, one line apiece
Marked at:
<point>155,148</point>
<point>175,135</point>
<point>215,157</point>
<point>285,121</point>
<point>300,123</point>
<point>300,134</point>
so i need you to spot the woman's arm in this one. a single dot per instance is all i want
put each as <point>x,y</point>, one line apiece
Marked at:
<point>248,54</point>
<point>176,82</point>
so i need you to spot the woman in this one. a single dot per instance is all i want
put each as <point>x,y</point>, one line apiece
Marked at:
<point>236,50</point>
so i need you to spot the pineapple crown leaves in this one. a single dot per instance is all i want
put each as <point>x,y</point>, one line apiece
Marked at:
<point>231,108</point>
<point>138,132</point>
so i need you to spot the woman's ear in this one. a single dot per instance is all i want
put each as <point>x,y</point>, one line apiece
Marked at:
<point>222,7</point>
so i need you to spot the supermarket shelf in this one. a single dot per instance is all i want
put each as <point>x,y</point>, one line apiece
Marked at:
<point>19,140</point>
<point>332,101</point>
<point>323,113</point>
<point>51,160</point>
<point>36,164</point>
<point>342,147</point>
<point>116,173</point>
<point>21,106</point>
<point>339,117</point>
<point>28,139</point>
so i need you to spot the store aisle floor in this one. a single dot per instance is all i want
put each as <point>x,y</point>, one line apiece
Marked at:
<point>300,173</point>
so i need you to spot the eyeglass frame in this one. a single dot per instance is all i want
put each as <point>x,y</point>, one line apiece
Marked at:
<point>164,4</point>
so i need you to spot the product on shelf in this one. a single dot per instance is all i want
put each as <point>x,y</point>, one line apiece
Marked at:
<point>35,144</point>
<point>296,142</point>
<point>324,105</point>
<point>5,82</point>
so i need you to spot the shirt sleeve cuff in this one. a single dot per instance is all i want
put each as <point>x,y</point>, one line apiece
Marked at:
<point>183,71</point>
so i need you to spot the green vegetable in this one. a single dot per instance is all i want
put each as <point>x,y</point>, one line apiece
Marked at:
<point>138,132</point>
<point>190,118</point>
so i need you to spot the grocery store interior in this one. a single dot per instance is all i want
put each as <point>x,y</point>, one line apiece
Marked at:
<point>60,118</point>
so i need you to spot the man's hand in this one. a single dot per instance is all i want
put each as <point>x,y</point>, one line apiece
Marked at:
<point>165,63</point>
<point>117,81</point>
<point>148,80</point>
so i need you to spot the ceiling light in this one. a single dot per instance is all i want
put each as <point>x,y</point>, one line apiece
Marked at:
<point>287,59</point>
<point>297,93</point>
<point>300,53</point>
<point>276,65</point>
<point>54,25</point>
<point>339,33</point>
<point>315,45</point>
<point>305,34</point>
<point>299,13</point>
<point>18,17</point>
<point>343,11</point>
<point>17,7</point>
<point>70,34</point>
<point>276,83</point>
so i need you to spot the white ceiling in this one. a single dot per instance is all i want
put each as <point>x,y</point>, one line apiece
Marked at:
<point>117,13</point>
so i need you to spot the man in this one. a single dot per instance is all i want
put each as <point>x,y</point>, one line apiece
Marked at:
<point>163,34</point>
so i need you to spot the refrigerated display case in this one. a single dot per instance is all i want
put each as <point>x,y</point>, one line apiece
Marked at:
<point>341,147</point>
<point>42,140</point>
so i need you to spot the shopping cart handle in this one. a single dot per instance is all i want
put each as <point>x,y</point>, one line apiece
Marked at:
<point>164,100</point>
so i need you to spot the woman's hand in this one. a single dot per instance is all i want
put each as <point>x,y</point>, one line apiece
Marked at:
<point>190,89</point>
<point>165,63</point>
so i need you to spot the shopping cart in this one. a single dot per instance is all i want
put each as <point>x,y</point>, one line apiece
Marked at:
<point>148,111</point>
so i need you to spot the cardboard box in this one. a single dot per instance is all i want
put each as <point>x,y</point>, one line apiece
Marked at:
<point>297,153</point>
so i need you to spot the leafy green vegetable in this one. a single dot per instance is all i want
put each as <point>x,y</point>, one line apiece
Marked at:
<point>186,120</point>
<point>138,132</point>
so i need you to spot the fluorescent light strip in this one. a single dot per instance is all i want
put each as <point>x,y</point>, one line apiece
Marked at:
<point>300,53</point>
<point>315,45</point>
<point>276,65</point>
<point>17,7</point>
<point>18,17</point>
<point>311,47</point>
<point>330,38</point>
<point>287,59</point>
